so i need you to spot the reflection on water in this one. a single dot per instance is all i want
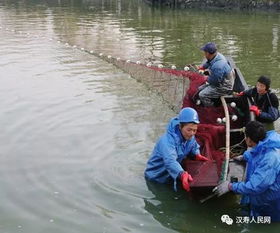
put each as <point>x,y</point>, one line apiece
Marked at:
<point>132,30</point>
<point>77,131</point>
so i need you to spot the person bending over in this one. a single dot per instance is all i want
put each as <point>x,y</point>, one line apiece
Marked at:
<point>177,143</point>
<point>262,185</point>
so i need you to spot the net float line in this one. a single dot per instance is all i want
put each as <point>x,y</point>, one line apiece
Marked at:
<point>170,83</point>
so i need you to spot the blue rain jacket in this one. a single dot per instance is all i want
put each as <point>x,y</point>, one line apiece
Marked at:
<point>262,185</point>
<point>219,69</point>
<point>169,151</point>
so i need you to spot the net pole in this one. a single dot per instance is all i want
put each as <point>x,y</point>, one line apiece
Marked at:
<point>226,163</point>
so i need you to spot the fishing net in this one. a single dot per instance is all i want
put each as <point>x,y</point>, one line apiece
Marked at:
<point>178,88</point>
<point>170,84</point>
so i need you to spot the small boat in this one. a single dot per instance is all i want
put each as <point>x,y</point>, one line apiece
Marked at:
<point>221,129</point>
<point>221,136</point>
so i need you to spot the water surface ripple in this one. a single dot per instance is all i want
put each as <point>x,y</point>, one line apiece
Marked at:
<point>76,131</point>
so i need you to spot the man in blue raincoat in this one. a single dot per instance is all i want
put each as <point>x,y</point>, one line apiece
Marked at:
<point>262,184</point>
<point>177,143</point>
<point>220,78</point>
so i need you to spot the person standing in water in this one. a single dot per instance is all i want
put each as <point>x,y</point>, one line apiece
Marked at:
<point>261,188</point>
<point>178,142</point>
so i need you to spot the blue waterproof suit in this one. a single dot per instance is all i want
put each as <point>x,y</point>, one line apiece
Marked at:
<point>262,185</point>
<point>219,72</point>
<point>171,148</point>
<point>219,82</point>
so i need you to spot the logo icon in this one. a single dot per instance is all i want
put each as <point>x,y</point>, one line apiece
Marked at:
<point>226,219</point>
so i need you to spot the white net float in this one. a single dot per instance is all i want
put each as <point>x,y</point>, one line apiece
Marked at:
<point>233,104</point>
<point>234,118</point>
<point>219,120</point>
<point>186,68</point>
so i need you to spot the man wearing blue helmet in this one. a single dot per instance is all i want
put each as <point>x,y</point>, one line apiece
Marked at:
<point>220,75</point>
<point>178,142</point>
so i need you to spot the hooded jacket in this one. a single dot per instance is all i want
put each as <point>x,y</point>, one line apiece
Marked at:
<point>164,165</point>
<point>262,185</point>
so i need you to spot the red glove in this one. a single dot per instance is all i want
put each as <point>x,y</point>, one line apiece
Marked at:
<point>186,178</point>
<point>240,93</point>
<point>201,158</point>
<point>255,109</point>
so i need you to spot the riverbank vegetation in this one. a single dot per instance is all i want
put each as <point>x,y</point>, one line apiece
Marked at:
<point>226,4</point>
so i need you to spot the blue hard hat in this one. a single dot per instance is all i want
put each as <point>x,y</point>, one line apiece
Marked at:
<point>210,47</point>
<point>188,115</point>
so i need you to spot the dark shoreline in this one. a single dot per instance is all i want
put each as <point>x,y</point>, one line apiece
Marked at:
<point>265,5</point>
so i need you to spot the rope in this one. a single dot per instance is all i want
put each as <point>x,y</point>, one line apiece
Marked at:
<point>235,150</point>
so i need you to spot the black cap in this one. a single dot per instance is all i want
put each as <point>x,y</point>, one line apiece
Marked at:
<point>265,80</point>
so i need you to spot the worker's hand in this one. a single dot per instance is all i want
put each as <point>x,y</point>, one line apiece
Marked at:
<point>201,158</point>
<point>255,109</point>
<point>186,178</point>
<point>240,93</point>
<point>200,68</point>
<point>206,72</point>
<point>201,71</point>
<point>238,158</point>
<point>222,188</point>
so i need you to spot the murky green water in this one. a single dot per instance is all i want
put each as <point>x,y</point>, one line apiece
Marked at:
<point>76,131</point>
